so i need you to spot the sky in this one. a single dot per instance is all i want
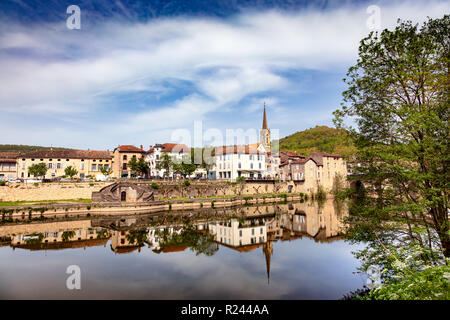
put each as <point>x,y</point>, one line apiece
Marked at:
<point>146,72</point>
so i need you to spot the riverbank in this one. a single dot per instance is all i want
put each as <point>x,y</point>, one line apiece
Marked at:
<point>111,208</point>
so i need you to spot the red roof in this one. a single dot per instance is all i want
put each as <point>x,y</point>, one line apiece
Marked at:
<point>175,147</point>
<point>68,154</point>
<point>129,148</point>
<point>236,150</point>
<point>8,156</point>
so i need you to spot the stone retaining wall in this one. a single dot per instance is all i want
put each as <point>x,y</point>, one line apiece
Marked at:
<point>164,190</point>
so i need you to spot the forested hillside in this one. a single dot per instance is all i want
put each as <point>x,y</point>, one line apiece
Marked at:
<point>319,138</point>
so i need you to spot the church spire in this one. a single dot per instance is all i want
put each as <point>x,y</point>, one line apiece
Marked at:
<point>264,126</point>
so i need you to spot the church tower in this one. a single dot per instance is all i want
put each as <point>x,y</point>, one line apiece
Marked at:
<point>264,135</point>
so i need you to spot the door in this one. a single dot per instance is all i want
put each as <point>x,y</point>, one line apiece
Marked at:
<point>123,196</point>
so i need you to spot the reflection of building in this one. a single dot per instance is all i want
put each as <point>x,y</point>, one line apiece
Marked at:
<point>55,235</point>
<point>120,242</point>
<point>234,233</point>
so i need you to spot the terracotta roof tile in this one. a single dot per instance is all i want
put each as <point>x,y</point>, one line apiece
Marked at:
<point>68,154</point>
<point>129,148</point>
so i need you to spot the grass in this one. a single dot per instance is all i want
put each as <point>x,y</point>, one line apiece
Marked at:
<point>22,203</point>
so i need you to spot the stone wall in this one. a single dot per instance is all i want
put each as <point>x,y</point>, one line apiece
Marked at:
<point>49,191</point>
<point>164,190</point>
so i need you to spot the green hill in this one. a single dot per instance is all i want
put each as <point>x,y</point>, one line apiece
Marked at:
<point>320,139</point>
<point>24,148</point>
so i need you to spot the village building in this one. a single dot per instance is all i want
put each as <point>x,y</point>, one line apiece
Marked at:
<point>86,162</point>
<point>8,166</point>
<point>238,161</point>
<point>329,168</point>
<point>121,156</point>
<point>177,152</point>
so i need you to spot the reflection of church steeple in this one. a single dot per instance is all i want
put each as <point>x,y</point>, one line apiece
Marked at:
<point>268,251</point>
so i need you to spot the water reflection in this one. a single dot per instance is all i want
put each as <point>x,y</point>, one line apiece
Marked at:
<point>243,230</point>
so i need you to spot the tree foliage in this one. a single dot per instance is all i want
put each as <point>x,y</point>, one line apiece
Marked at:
<point>70,171</point>
<point>319,139</point>
<point>38,169</point>
<point>139,166</point>
<point>398,96</point>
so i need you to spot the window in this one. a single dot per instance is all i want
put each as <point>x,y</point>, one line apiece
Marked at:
<point>124,167</point>
<point>50,165</point>
<point>260,165</point>
<point>124,157</point>
<point>82,166</point>
<point>253,232</point>
<point>94,167</point>
<point>251,165</point>
<point>58,166</point>
<point>261,231</point>
<point>23,165</point>
<point>240,233</point>
<point>239,165</point>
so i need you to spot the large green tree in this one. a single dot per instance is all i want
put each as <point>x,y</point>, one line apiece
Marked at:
<point>139,166</point>
<point>165,163</point>
<point>38,169</point>
<point>398,103</point>
<point>70,172</point>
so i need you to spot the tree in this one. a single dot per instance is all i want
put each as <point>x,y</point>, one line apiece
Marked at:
<point>398,95</point>
<point>38,169</point>
<point>106,170</point>
<point>185,166</point>
<point>70,172</point>
<point>139,166</point>
<point>165,163</point>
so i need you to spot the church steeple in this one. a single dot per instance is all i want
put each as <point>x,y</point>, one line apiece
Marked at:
<point>264,126</point>
<point>264,135</point>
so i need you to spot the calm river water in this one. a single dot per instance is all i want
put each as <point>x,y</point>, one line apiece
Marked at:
<point>283,251</point>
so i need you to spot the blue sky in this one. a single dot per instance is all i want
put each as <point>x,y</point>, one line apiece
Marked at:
<point>137,72</point>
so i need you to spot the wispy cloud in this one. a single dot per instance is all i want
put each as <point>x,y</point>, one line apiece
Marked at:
<point>68,81</point>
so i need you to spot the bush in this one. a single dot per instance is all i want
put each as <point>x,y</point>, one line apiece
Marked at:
<point>154,185</point>
<point>2,183</point>
<point>36,184</point>
<point>241,178</point>
<point>186,183</point>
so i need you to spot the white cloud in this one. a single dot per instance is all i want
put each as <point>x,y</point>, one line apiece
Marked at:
<point>79,73</point>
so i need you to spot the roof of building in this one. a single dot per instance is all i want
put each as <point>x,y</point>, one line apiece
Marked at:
<point>129,148</point>
<point>237,149</point>
<point>175,147</point>
<point>68,154</point>
<point>318,157</point>
<point>8,156</point>
<point>264,125</point>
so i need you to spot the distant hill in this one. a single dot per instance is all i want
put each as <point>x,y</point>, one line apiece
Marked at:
<point>24,148</point>
<point>320,139</point>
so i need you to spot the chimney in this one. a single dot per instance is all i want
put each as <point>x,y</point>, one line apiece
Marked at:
<point>142,148</point>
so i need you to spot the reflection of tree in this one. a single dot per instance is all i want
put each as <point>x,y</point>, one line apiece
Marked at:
<point>189,237</point>
<point>35,240</point>
<point>103,234</point>
<point>137,236</point>
<point>67,235</point>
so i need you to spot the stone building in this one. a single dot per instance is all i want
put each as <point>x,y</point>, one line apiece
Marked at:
<point>121,156</point>
<point>8,165</point>
<point>86,162</point>
<point>329,168</point>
